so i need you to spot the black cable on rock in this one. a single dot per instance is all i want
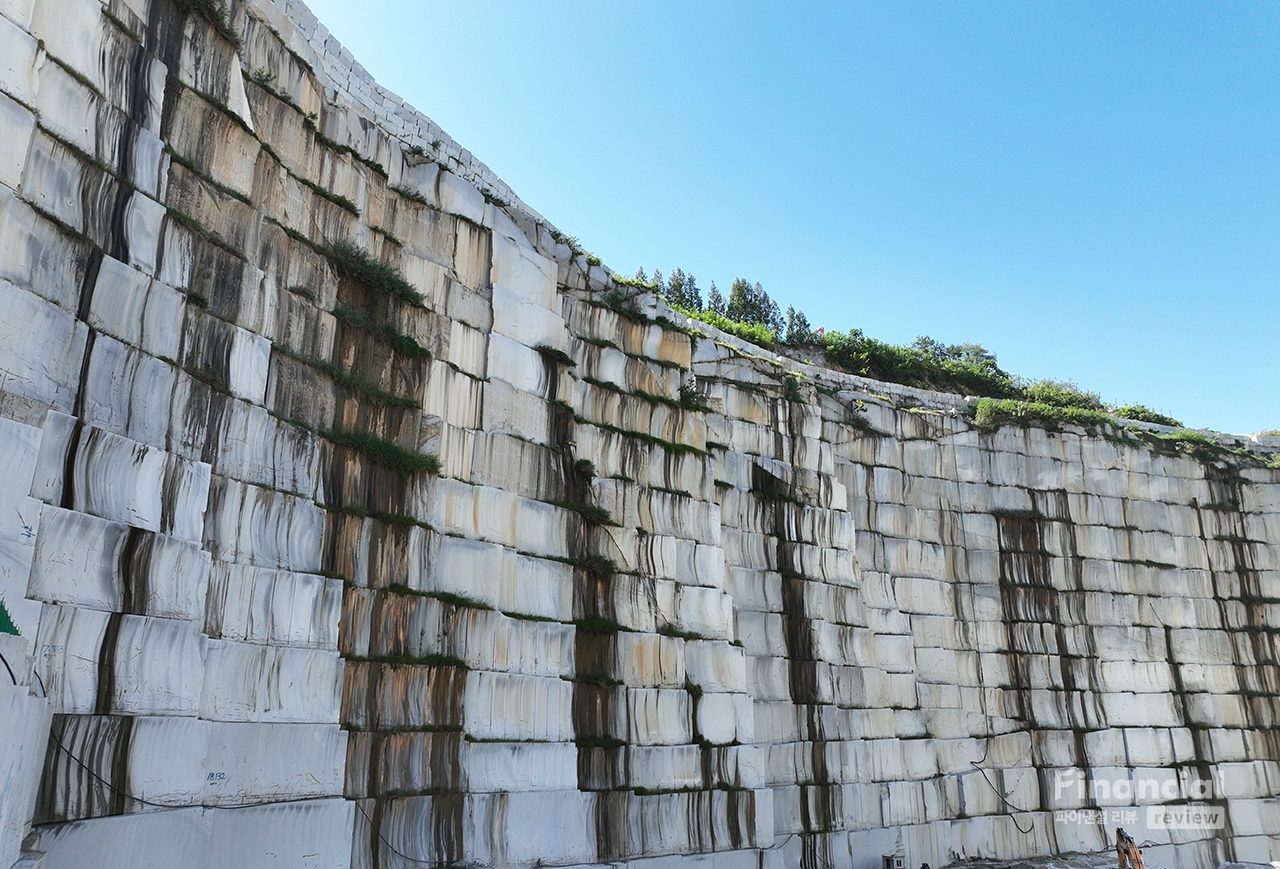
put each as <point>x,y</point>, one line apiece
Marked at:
<point>10,669</point>
<point>1008,804</point>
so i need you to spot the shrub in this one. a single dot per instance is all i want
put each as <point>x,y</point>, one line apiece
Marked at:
<point>993,413</point>
<point>967,369</point>
<point>792,388</point>
<point>622,302</point>
<point>1190,437</point>
<point>1061,394</point>
<point>753,332</point>
<point>1145,414</point>
<point>691,398</point>
<point>963,368</point>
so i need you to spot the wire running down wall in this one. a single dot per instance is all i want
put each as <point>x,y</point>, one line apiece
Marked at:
<point>353,516</point>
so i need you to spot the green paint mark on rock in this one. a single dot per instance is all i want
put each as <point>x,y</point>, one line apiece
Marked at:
<point>6,622</point>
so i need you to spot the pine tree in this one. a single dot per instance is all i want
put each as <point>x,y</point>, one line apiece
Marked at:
<point>741,304</point>
<point>771,314</point>
<point>715,301</point>
<point>641,277</point>
<point>749,303</point>
<point>797,330</point>
<point>692,295</point>
<point>657,282</point>
<point>675,288</point>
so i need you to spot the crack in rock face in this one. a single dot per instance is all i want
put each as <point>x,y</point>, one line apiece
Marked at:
<point>359,518</point>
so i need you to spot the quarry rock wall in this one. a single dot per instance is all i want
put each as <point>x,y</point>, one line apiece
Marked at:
<point>354,516</point>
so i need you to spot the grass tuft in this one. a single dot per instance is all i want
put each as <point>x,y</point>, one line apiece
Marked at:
<point>673,631</point>
<point>210,376</point>
<point>590,513</point>
<point>217,14</point>
<point>526,617</point>
<point>428,660</point>
<point>119,22</point>
<point>442,596</point>
<point>355,262</point>
<point>205,233</point>
<point>361,385</point>
<point>175,157</point>
<point>410,194</point>
<point>599,742</point>
<point>398,341</point>
<point>674,449</point>
<point>559,357</point>
<point>386,453</point>
<point>598,567</point>
<point>340,201</point>
<point>597,625</point>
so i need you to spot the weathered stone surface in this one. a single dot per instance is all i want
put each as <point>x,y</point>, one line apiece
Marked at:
<point>615,626</point>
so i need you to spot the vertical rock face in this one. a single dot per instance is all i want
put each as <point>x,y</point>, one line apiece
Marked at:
<point>353,517</point>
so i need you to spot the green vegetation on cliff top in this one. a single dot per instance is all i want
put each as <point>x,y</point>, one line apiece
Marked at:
<point>965,369</point>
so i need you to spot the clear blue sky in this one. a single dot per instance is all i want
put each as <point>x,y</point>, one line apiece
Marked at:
<point>1091,190</point>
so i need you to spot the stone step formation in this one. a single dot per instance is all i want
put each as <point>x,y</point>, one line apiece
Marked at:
<point>355,516</point>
